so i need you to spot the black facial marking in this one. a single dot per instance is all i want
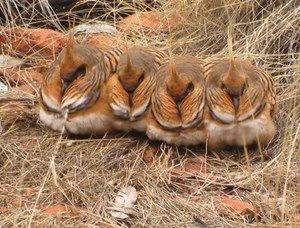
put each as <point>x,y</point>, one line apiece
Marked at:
<point>142,77</point>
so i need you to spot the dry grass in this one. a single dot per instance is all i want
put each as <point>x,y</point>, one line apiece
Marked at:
<point>39,168</point>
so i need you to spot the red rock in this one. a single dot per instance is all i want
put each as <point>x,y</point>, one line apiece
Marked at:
<point>196,168</point>
<point>225,206</point>
<point>62,209</point>
<point>191,199</point>
<point>152,21</point>
<point>196,165</point>
<point>21,77</point>
<point>45,43</point>
<point>104,39</point>
<point>235,207</point>
<point>3,209</point>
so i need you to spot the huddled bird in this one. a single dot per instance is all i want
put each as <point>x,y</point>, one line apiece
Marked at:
<point>178,102</point>
<point>70,96</point>
<point>129,90</point>
<point>240,103</point>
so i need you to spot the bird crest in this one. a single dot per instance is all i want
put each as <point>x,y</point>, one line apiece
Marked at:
<point>234,81</point>
<point>70,45</point>
<point>128,61</point>
<point>174,72</point>
<point>233,71</point>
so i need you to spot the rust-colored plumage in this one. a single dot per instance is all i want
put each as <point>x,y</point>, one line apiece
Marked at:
<point>177,103</point>
<point>71,92</point>
<point>240,103</point>
<point>131,87</point>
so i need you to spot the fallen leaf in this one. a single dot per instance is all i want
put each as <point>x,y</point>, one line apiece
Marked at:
<point>123,206</point>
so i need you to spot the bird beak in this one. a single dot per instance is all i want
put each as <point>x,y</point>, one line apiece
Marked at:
<point>236,103</point>
<point>64,86</point>
<point>131,94</point>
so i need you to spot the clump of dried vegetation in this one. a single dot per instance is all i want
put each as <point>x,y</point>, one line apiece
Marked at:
<point>39,168</point>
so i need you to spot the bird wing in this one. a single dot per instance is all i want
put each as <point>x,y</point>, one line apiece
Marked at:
<point>142,96</point>
<point>165,110</point>
<point>220,104</point>
<point>84,91</point>
<point>50,92</point>
<point>192,108</point>
<point>118,98</point>
<point>251,103</point>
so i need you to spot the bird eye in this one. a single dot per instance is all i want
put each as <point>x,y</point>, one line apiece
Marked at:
<point>190,87</point>
<point>81,70</point>
<point>223,87</point>
<point>78,72</point>
<point>142,77</point>
<point>245,87</point>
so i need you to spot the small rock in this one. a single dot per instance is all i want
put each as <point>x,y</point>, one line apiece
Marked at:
<point>3,87</point>
<point>152,21</point>
<point>69,143</point>
<point>235,207</point>
<point>95,29</point>
<point>6,61</point>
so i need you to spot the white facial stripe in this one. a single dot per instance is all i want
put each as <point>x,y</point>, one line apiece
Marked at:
<point>139,111</point>
<point>51,101</point>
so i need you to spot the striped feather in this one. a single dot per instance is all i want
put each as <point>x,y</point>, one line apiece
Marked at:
<point>260,91</point>
<point>192,108</point>
<point>134,105</point>
<point>84,91</point>
<point>141,97</point>
<point>220,105</point>
<point>118,98</point>
<point>165,110</point>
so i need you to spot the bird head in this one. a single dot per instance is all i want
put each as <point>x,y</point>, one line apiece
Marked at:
<point>75,61</point>
<point>131,74</point>
<point>178,85</point>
